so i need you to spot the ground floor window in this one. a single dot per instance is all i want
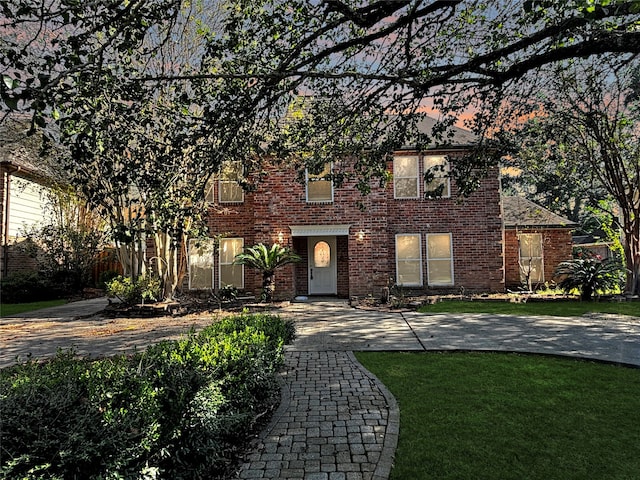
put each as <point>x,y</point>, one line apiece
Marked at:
<point>408,260</point>
<point>531,261</point>
<point>231,274</point>
<point>201,257</point>
<point>439,259</point>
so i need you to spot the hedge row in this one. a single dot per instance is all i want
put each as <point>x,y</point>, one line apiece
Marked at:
<point>180,410</point>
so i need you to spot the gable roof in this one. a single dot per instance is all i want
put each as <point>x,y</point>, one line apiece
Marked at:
<point>457,136</point>
<point>21,150</point>
<point>520,212</point>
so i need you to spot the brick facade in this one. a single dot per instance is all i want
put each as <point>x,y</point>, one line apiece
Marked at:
<point>557,247</point>
<point>366,265</point>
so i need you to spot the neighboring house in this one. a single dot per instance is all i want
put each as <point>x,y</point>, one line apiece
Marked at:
<point>23,189</point>
<point>402,236</point>
<point>536,240</point>
<point>594,244</point>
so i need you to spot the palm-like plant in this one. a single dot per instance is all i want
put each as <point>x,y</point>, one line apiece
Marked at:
<point>267,260</point>
<point>589,275</point>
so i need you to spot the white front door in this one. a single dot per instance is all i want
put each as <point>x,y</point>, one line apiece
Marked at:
<point>323,272</point>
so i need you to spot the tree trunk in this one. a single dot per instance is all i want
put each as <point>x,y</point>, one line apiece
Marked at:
<point>268,286</point>
<point>167,263</point>
<point>631,246</point>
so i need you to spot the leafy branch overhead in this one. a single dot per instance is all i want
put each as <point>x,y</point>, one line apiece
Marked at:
<point>149,97</point>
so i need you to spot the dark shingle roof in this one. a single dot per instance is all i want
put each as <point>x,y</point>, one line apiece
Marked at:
<point>520,212</point>
<point>20,149</point>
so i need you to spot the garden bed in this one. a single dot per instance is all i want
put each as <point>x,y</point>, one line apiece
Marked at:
<point>180,409</point>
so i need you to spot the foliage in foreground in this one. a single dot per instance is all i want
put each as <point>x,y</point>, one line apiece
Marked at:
<point>180,410</point>
<point>508,416</point>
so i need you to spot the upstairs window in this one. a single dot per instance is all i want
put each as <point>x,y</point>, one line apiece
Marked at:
<point>209,194</point>
<point>230,190</point>
<point>405,177</point>
<point>319,188</point>
<point>439,259</point>
<point>437,169</point>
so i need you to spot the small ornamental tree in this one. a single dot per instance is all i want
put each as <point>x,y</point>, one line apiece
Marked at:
<point>267,260</point>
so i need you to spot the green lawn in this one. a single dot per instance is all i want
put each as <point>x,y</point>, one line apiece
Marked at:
<point>9,309</point>
<point>507,416</point>
<point>556,307</point>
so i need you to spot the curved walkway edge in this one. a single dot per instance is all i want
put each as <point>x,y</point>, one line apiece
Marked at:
<point>336,421</point>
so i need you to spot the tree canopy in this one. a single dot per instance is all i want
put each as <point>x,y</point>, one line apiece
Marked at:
<point>587,128</point>
<point>150,96</point>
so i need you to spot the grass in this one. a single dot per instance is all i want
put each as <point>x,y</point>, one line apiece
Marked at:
<point>509,416</point>
<point>9,309</point>
<point>564,308</point>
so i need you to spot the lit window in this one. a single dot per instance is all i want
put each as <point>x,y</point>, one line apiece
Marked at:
<point>319,189</point>
<point>439,259</point>
<point>408,260</point>
<point>440,185</point>
<point>201,264</point>
<point>230,189</point>
<point>231,274</point>
<point>405,177</point>
<point>531,262</point>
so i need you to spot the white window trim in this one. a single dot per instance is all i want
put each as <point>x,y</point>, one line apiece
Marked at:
<point>523,275</point>
<point>235,182</point>
<point>189,265</point>
<point>451,258</point>
<point>420,262</point>
<point>220,264</point>
<point>439,175</point>
<point>417,177</point>
<point>306,187</point>
<point>209,190</point>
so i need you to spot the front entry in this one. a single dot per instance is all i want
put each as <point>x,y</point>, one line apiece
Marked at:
<point>323,272</point>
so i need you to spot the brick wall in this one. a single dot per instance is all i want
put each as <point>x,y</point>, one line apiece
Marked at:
<point>557,247</point>
<point>365,265</point>
<point>475,224</point>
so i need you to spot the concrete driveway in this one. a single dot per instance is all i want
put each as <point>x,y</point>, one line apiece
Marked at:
<point>331,325</point>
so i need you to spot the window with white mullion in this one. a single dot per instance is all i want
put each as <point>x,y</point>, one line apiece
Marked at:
<point>437,167</point>
<point>230,273</point>
<point>406,177</point>
<point>439,259</point>
<point>408,260</point>
<point>200,253</point>
<point>319,188</point>
<point>229,188</point>
<point>531,258</point>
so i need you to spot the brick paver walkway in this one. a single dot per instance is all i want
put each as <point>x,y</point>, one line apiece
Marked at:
<point>336,422</point>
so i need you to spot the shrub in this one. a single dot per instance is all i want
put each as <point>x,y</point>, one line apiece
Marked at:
<point>31,287</point>
<point>130,291</point>
<point>589,275</point>
<point>179,410</point>
<point>106,277</point>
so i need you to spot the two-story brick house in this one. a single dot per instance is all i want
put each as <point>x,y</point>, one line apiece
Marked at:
<point>440,244</point>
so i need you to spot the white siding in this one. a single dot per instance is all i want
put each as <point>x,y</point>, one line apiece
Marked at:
<point>27,205</point>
